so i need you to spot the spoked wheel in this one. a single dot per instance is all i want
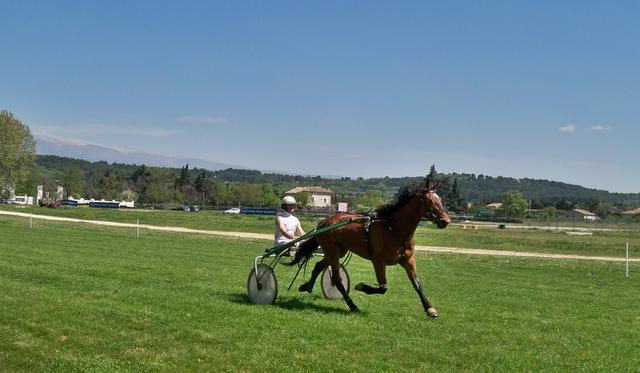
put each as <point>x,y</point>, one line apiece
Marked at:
<point>329,290</point>
<point>262,285</point>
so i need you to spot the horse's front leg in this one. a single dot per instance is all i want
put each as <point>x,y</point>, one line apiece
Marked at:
<point>410,266</point>
<point>379,266</point>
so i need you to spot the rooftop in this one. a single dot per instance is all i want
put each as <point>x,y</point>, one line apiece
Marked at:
<point>312,189</point>
<point>584,212</point>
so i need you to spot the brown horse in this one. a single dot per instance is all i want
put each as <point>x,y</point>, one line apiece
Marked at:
<point>386,239</point>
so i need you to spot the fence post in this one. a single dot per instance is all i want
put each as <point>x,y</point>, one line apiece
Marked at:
<point>31,220</point>
<point>627,260</point>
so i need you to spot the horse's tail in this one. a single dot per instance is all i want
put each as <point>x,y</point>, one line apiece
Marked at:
<point>305,251</point>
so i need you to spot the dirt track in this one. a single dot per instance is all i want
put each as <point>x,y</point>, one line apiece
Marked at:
<point>261,236</point>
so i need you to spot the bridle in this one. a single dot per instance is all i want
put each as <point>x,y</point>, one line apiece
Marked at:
<point>428,214</point>
<point>438,202</point>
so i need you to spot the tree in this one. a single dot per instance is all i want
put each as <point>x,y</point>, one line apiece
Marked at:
<point>72,180</point>
<point>591,204</point>
<point>184,179</point>
<point>159,188</point>
<point>432,173</point>
<point>371,199</point>
<point>128,195</point>
<point>515,205</point>
<point>217,193</point>
<point>455,201</point>
<point>141,178</point>
<point>303,198</point>
<point>111,185</point>
<point>563,204</point>
<point>17,150</point>
<point>439,181</point>
<point>30,182</point>
<point>247,194</point>
<point>202,182</point>
<point>550,212</point>
<point>268,198</point>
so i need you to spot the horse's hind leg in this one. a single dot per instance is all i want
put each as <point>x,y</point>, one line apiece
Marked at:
<point>317,269</point>
<point>337,281</point>
<point>410,266</point>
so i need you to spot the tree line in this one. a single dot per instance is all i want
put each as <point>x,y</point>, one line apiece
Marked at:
<point>462,193</point>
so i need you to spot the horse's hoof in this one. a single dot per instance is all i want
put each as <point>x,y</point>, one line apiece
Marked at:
<point>431,312</point>
<point>356,310</point>
<point>359,286</point>
<point>303,288</point>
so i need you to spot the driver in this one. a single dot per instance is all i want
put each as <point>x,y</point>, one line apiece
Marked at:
<point>287,225</point>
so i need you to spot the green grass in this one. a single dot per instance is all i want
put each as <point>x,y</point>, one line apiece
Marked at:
<point>209,220</point>
<point>98,299</point>
<point>565,222</point>
<point>601,243</point>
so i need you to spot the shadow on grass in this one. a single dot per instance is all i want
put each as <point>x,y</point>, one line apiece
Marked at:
<point>295,304</point>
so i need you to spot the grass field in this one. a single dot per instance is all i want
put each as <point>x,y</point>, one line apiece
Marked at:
<point>211,220</point>
<point>98,299</point>
<point>600,243</point>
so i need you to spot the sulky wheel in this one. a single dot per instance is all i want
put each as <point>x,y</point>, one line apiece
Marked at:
<point>329,290</point>
<point>262,285</point>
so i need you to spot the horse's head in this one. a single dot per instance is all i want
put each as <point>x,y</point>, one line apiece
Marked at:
<point>431,207</point>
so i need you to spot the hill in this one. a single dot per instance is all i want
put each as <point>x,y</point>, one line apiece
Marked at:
<point>184,184</point>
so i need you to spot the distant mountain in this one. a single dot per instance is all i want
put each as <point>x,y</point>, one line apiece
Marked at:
<point>81,149</point>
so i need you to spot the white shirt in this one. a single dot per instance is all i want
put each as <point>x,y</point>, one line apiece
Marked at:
<point>291,224</point>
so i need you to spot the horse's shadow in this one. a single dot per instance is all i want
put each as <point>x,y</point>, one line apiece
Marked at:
<point>291,304</point>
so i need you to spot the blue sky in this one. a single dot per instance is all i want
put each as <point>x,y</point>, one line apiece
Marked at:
<point>539,89</point>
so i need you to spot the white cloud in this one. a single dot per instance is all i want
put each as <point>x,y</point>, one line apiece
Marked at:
<point>568,129</point>
<point>600,128</point>
<point>202,120</point>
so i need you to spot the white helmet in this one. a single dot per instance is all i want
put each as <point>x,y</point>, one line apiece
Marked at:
<point>288,200</point>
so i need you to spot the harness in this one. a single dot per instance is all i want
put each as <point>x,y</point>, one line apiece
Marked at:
<point>367,228</point>
<point>373,217</point>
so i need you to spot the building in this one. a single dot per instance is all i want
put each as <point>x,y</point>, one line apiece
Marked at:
<point>320,197</point>
<point>495,205</point>
<point>634,212</point>
<point>582,214</point>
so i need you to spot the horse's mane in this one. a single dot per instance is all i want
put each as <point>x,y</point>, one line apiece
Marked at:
<point>404,195</point>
